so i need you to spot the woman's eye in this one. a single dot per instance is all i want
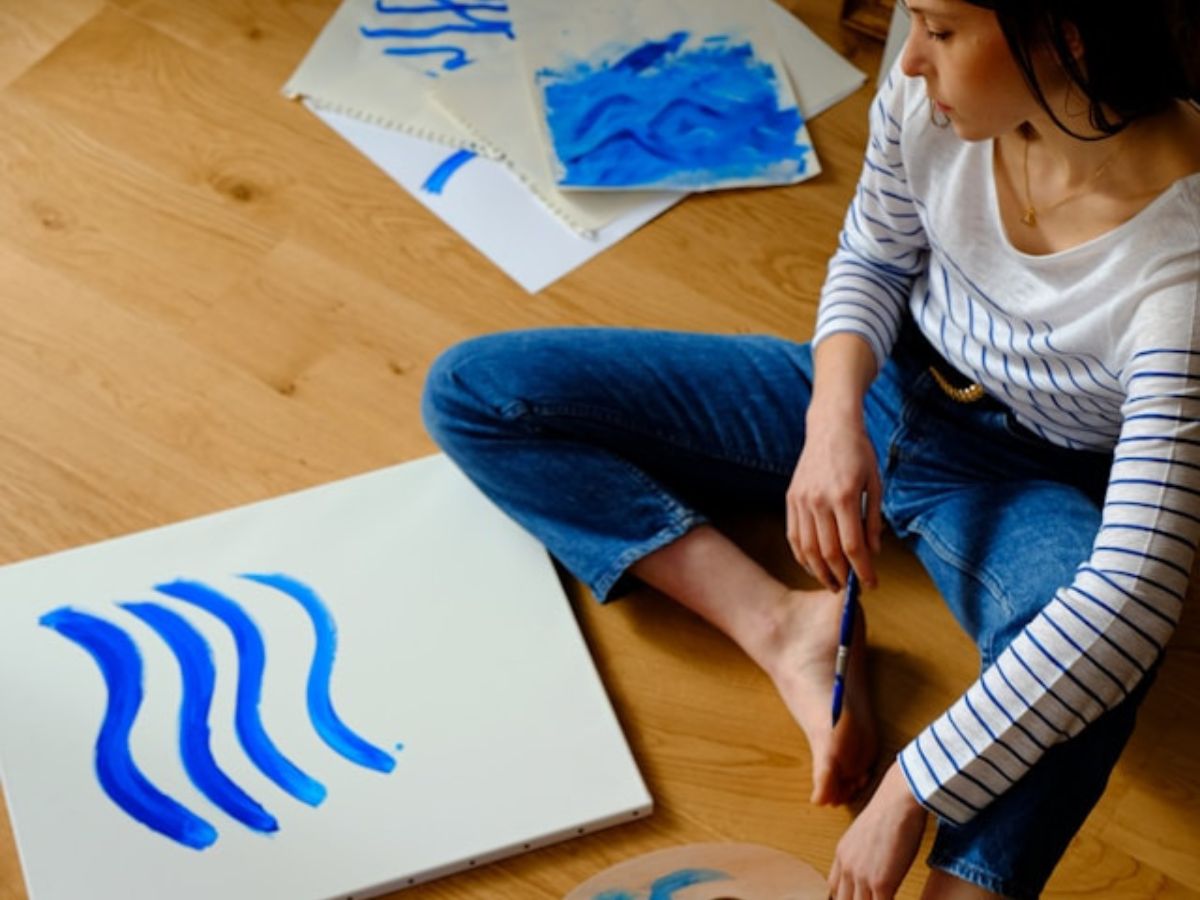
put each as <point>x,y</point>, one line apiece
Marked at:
<point>937,35</point>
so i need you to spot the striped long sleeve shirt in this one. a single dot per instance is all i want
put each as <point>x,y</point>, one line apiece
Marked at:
<point>1096,347</point>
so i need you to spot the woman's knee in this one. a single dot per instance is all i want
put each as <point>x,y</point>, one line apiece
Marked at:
<point>470,383</point>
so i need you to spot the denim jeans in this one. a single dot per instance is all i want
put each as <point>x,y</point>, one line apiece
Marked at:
<point>607,444</point>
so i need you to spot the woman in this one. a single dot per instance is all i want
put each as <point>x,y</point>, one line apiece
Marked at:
<point>1006,367</point>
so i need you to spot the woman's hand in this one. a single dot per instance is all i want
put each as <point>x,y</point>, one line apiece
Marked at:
<point>825,513</point>
<point>877,851</point>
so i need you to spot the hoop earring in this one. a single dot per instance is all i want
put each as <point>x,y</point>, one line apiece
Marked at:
<point>942,122</point>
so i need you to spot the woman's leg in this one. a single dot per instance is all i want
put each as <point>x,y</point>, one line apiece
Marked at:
<point>610,446</point>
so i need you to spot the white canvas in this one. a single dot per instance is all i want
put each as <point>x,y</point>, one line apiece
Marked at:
<point>668,94</point>
<point>457,659</point>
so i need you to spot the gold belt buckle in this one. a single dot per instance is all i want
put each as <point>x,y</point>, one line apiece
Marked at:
<point>967,394</point>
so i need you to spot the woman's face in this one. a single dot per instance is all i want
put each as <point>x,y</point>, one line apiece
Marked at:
<point>969,72</point>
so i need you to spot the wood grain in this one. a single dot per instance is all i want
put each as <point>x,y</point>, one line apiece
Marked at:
<point>209,299</point>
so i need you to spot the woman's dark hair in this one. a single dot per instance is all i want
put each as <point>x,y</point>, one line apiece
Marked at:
<point>1137,57</point>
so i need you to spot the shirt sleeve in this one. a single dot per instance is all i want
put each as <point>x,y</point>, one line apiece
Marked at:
<point>1101,634</point>
<point>882,246</point>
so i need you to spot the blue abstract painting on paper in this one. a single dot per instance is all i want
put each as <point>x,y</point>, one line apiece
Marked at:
<point>120,661</point>
<point>682,111</point>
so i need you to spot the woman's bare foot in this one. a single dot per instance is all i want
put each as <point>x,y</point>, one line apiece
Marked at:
<point>800,659</point>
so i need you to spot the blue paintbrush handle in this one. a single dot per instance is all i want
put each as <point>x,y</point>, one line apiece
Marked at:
<point>845,637</point>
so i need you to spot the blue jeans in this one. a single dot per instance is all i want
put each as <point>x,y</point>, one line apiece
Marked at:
<point>608,444</point>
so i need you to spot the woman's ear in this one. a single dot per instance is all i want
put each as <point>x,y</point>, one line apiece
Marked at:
<point>1073,40</point>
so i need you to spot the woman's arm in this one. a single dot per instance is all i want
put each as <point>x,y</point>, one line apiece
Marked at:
<point>881,250</point>
<point>1097,637</point>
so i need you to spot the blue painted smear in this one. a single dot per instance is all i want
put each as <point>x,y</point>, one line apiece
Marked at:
<point>664,114</point>
<point>667,886</point>
<point>436,182</point>
<point>320,707</point>
<point>199,677</point>
<point>120,778</point>
<point>664,888</point>
<point>252,656</point>
<point>421,24</point>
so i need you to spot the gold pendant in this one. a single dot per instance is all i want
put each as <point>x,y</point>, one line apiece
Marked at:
<point>1029,217</point>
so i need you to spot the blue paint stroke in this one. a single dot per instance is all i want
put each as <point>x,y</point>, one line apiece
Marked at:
<point>664,888</point>
<point>436,182</point>
<point>320,706</point>
<point>121,665</point>
<point>667,886</point>
<point>464,19</point>
<point>665,115</point>
<point>252,656</point>
<point>199,677</point>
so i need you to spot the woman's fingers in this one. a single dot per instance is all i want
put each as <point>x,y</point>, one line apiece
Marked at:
<point>810,555</point>
<point>852,532</point>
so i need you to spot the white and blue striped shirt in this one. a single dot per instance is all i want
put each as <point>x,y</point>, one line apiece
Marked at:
<point>1096,347</point>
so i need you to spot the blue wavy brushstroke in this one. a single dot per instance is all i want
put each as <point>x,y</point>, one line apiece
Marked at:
<point>668,885</point>
<point>464,19</point>
<point>252,656</point>
<point>320,706</point>
<point>436,182</point>
<point>663,114</point>
<point>121,665</point>
<point>199,677</point>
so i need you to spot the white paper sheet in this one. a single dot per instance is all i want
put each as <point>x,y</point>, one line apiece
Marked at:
<point>490,207</point>
<point>457,662</point>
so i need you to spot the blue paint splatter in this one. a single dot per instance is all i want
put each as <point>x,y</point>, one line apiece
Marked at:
<point>663,114</point>
<point>199,677</point>
<point>252,656</point>
<point>464,19</point>
<point>320,707</point>
<point>436,182</point>
<point>667,886</point>
<point>120,778</point>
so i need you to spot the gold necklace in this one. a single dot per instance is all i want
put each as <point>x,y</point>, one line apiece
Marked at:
<point>1030,215</point>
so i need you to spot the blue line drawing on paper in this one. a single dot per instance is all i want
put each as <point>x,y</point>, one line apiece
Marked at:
<point>421,23</point>
<point>117,656</point>
<point>666,887</point>
<point>325,720</point>
<point>436,182</point>
<point>671,113</point>
<point>199,679</point>
<point>120,664</point>
<point>252,657</point>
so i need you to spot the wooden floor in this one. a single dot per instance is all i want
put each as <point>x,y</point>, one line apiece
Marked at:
<point>207,298</point>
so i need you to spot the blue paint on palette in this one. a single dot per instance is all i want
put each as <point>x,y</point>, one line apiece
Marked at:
<point>436,182</point>
<point>666,887</point>
<point>672,113</point>
<point>324,718</point>
<point>252,656</point>
<point>195,748</point>
<point>121,666</point>
<point>120,663</point>
<point>420,25</point>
